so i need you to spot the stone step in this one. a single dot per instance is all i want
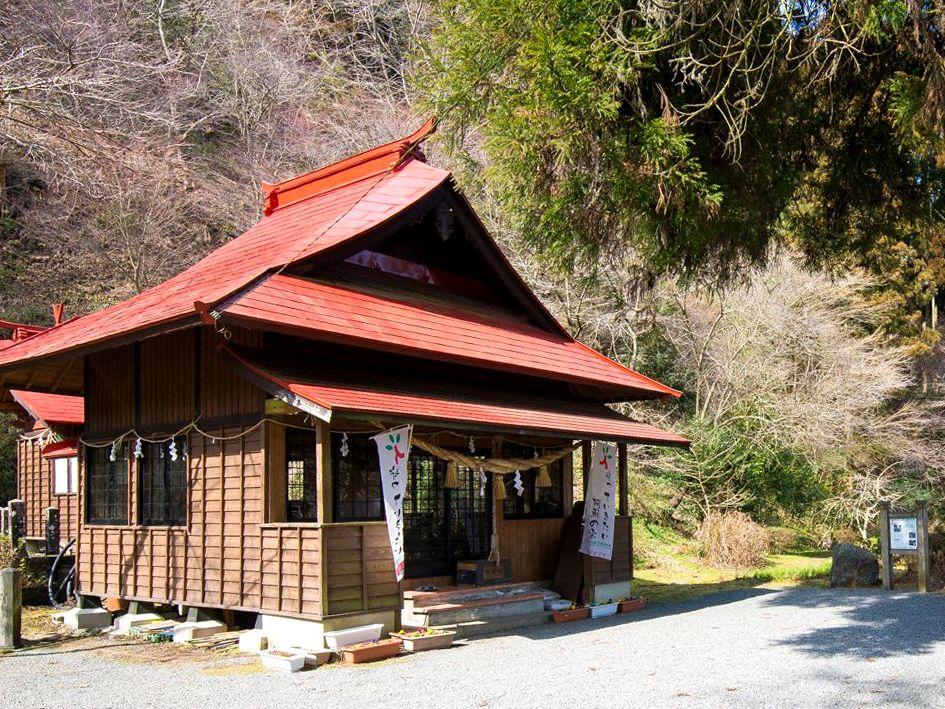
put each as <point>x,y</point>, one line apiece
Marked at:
<point>476,610</point>
<point>461,594</point>
<point>476,628</point>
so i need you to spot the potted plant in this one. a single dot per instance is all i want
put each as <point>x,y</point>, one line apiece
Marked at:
<point>282,660</point>
<point>575,612</point>
<point>370,651</point>
<point>628,605</point>
<point>425,639</point>
<point>604,608</point>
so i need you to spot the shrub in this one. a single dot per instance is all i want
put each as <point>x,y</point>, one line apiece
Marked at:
<point>733,539</point>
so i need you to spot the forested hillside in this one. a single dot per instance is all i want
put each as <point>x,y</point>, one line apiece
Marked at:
<point>740,198</point>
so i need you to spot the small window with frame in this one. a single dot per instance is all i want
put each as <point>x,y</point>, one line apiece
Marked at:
<point>301,476</point>
<point>162,483</point>
<point>107,482</point>
<point>65,475</point>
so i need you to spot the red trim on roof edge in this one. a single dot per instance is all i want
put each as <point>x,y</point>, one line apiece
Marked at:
<point>63,449</point>
<point>367,164</point>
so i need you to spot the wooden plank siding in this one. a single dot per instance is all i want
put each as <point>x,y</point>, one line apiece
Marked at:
<point>534,545</point>
<point>620,566</point>
<point>34,485</point>
<point>360,568</point>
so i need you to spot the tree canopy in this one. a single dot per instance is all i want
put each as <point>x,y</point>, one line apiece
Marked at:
<point>696,133</point>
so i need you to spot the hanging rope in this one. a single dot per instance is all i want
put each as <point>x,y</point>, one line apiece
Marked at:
<point>496,466</point>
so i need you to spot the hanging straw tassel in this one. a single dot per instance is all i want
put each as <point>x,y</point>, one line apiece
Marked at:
<point>452,476</point>
<point>544,477</point>
<point>498,486</point>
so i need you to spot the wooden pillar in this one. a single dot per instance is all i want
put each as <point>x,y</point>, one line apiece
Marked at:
<point>922,547</point>
<point>623,484</point>
<point>585,463</point>
<point>884,544</point>
<point>323,475</point>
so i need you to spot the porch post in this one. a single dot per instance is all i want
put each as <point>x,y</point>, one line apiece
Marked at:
<point>623,487</point>
<point>323,478</point>
<point>585,464</point>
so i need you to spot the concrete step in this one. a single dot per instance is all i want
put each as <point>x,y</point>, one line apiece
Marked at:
<point>463,594</point>
<point>475,610</point>
<point>476,628</point>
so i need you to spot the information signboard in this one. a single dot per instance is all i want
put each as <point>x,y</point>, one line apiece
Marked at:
<point>903,534</point>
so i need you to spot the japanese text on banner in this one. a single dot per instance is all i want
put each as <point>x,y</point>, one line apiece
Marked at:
<point>393,447</point>
<point>598,534</point>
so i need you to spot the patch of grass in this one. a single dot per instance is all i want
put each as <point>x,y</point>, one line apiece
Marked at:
<point>669,569</point>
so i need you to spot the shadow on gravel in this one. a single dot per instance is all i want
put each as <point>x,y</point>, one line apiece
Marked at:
<point>877,623</point>
<point>560,630</point>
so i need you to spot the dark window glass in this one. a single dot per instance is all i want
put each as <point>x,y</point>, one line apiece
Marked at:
<point>107,481</point>
<point>535,502</point>
<point>163,483</point>
<point>356,480</point>
<point>300,465</point>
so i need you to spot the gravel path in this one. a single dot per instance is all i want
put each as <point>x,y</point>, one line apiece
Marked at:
<point>796,647</point>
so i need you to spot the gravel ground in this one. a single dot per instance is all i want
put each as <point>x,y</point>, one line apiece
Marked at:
<point>805,647</point>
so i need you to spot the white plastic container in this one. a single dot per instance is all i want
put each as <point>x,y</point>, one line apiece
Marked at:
<point>604,610</point>
<point>557,605</point>
<point>351,636</point>
<point>282,663</point>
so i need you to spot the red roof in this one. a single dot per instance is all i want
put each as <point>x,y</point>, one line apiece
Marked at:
<point>403,321</point>
<point>328,207</point>
<point>353,394</point>
<point>52,409</point>
<point>62,449</point>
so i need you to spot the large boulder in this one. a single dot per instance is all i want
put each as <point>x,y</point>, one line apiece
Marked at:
<point>853,566</point>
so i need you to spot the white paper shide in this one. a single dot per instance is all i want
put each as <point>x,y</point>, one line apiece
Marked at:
<point>598,535</point>
<point>393,447</point>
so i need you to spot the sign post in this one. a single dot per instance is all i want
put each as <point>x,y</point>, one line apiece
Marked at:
<point>905,533</point>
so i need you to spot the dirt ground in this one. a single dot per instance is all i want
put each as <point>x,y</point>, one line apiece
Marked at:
<point>39,631</point>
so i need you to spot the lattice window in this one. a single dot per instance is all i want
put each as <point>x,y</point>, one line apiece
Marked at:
<point>162,483</point>
<point>107,496</point>
<point>301,484</point>
<point>356,480</point>
<point>535,502</point>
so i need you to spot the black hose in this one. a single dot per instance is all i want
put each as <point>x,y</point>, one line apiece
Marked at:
<point>65,583</point>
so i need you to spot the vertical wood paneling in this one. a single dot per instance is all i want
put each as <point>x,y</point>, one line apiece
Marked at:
<point>110,391</point>
<point>35,485</point>
<point>167,370</point>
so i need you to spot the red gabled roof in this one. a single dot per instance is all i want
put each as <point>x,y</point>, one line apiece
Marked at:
<point>398,319</point>
<point>307,215</point>
<point>325,393</point>
<point>52,409</point>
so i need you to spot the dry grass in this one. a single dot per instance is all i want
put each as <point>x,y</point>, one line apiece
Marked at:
<point>732,539</point>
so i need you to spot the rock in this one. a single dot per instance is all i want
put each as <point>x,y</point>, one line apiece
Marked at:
<point>853,566</point>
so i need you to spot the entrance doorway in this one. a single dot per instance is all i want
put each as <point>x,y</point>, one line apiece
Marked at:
<point>442,525</point>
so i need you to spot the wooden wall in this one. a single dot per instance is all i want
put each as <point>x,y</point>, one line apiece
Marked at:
<point>620,566</point>
<point>360,568</point>
<point>152,386</point>
<point>534,545</point>
<point>34,485</point>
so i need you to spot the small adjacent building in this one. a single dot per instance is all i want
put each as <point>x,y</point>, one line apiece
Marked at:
<point>47,464</point>
<point>227,461</point>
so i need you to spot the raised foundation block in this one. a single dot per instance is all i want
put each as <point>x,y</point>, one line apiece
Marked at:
<point>253,641</point>
<point>87,618</point>
<point>125,623</point>
<point>185,632</point>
